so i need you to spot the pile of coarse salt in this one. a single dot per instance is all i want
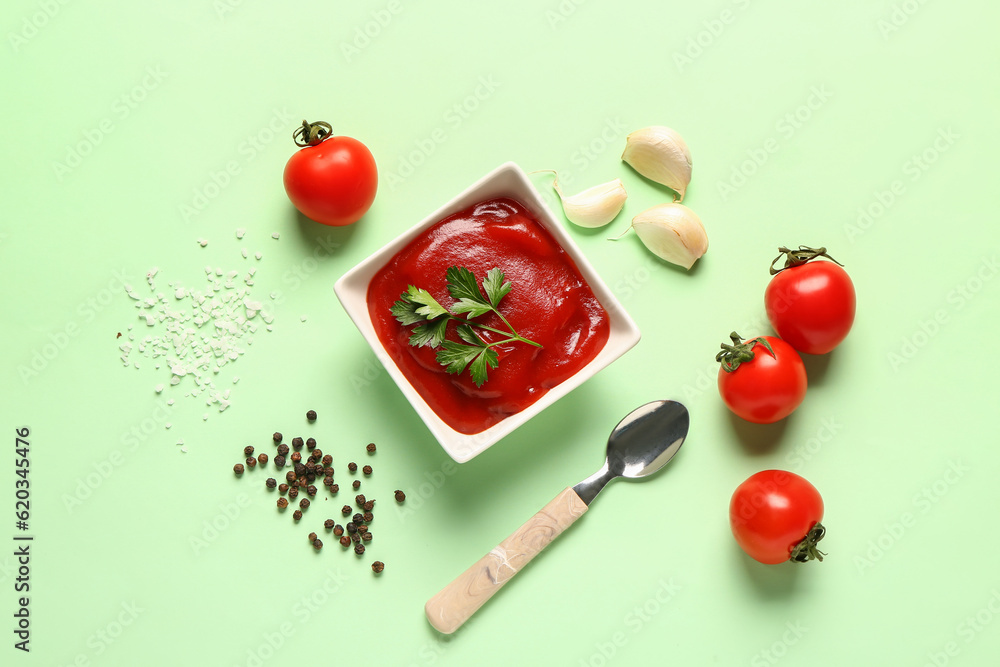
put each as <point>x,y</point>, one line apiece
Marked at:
<point>197,332</point>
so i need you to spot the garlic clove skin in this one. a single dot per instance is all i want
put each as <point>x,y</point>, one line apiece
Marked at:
<point>595,206</point>
<point>660,154</point>
<point>672,232</point>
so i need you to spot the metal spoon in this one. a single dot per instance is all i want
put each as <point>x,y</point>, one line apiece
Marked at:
<point>639,445</point>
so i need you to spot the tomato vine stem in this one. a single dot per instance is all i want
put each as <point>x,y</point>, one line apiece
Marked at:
<point>740,352</point>
<point>806,550</point>
<point>798,257</point>
<point>310,134</point>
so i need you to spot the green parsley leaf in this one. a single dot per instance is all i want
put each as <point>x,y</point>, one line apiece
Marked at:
<point>455,356</point>
<point>430,334</point>
<point>429,307</point>
<point>462,284</point>
<point>495,287</point>
<point>488,357</point>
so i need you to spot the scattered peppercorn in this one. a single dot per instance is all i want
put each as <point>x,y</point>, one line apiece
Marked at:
<point>366,537</point>
<point>367,470</point>
<point>297,515</point>
<point>400,496</point>
<point>317,544</point>
<point>296,457</point>
<point>334,488</point>
<point>282,488</point>
<point>328,471</point>
<point>297,442</point>
<point>279,461</point>
<point>327,460</point>
<point>356,538</point>
<point>338,530</point>
<point>360,499</point>
<point>276,437</point>
<point>262,458</point>
<point>293,493</point>
<point>304,503</point>
<point>248,450</point>
<point>310,467</point>
<point>283,450</point>
<point>357,518</point>
<point>300,470</point>
<point>356,484</point>
<point>328,481</point>
<point>346,510</point>
<point>351,528</point>
<point>312,536</point>
<point>282,503</point>
<point>368,506</point>
<point>362,529</point>
<point>345,541</point>
<point>238,468</point>
<point>251,462</point>
<point>352,466</point>
<point>359,549</point>
<point>290,476</point>
<point>329,524</point>
<point>311,443</point>
<point>370,448</point>
<point>369,517</point>
<point>311,490</point>
<point>271,482</point>
<point>378,566</point>
<point>311,415</point>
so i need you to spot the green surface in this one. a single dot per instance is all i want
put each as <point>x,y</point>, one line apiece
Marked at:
<point>897,430</point>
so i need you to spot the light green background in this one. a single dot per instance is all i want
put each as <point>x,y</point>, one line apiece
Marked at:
<point>162,97</point>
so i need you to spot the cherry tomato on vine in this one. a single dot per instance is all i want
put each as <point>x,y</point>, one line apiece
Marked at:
<point>761,380</point>
<point>775,516</point>
<point>331,179</point>
<point>810,303</point>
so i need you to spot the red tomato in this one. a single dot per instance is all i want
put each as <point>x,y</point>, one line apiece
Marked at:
<point>775,516</point>
<point>761,385</point>
<point>332,181</point>
<point>810,303</point>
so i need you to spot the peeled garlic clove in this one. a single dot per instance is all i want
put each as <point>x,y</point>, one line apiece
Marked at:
<point>660,154</point>
<point>672,232</point>
<point>596,206</point>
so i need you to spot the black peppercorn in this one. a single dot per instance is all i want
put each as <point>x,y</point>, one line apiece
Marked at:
<point>262,458</point>
<point>351,528</point>
<point>368,506</point>
<point>311,490</point>
<point>271,482</point>
<point>283,450</point>
<point>282,503</point>
<point>251,462</point>
<point>367,470</point>
<point>357,518</point>
<point>359,549</point>
<point>352,466</point>
<point>279,461</point>
<point>400,496</point>
<point>346,510</point>
<point>311,443</point>
<point>300,470</point>
<point>293,493</point>
<point>327,460</point>
<point>360,499</point>
<point>304,503</point>
<point>356,484</point>
<point>334,488</point>
<point>277,436</point>
<point>369,517</point>
<point>362,529</point>
<point>297,515</point>
<point>311,415</point>
<point>345,541</point>
<point>282,488</point>
<point>328,481</point>
<point>338,530</point>
<point>370,448</point>
<point>328,471</point>
<point>297,443</point>
<point>317,544</point>
<point>378,566</point>
<point>296,457</point>
<point>290,476</point>
<point>238,468</point>
<point>356,538</point>
<point>312,536</point>
<point>248,450</point>
<point>328,524</point>
<point>366,537</point>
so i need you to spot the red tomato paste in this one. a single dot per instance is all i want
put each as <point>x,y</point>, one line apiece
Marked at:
<point>549,303</point>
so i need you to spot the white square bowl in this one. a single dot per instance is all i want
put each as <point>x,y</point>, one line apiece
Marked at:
<point>507,180</point>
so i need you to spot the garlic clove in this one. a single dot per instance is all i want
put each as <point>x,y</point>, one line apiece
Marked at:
<point>660,154</point>
<point>595,206</point>
<point>672,232</point>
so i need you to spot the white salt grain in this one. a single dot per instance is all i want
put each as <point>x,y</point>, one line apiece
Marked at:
<point>159,388</point>
<point>275,236</point>
<point>240,232</point>
<point>203,242</point>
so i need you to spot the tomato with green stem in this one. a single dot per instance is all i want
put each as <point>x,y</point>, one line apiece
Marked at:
<point>776,516</point>
<point>762,380</point>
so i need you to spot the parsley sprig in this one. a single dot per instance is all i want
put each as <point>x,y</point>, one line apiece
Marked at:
<point>417,306</point>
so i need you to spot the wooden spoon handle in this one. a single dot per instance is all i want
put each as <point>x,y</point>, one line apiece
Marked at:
<point>460,599</point>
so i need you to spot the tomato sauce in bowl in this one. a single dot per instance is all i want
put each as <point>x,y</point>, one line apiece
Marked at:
<point>549,303</point>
